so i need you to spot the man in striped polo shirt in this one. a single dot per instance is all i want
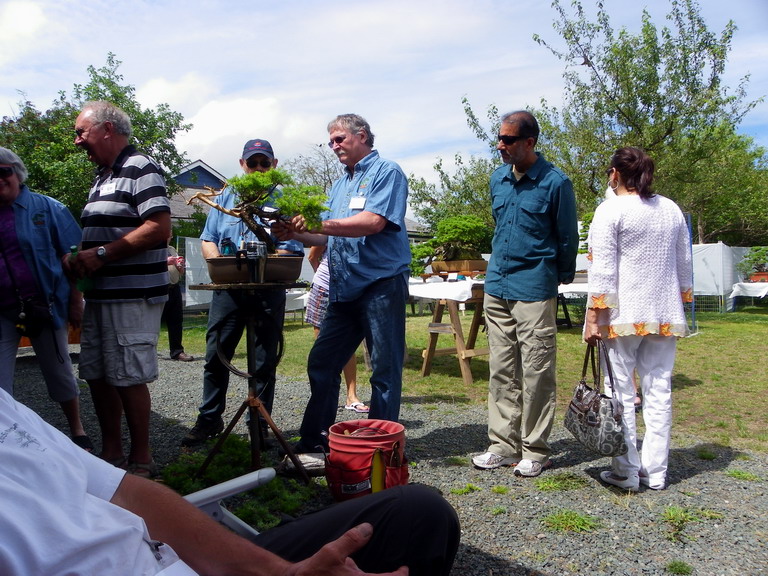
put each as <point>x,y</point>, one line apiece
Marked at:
<point>126,223</point>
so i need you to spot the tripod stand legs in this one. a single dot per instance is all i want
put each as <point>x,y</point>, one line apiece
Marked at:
<point>255,406</point>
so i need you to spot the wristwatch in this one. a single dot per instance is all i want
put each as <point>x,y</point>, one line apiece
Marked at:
<point>101,252</point>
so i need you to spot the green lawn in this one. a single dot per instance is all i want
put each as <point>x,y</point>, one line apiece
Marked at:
<point>720,383</point>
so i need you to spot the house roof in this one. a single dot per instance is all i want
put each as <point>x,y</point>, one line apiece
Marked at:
<point>193,178</point>
<point>199,175</point>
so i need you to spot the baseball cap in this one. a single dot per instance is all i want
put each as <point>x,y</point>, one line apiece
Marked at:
<point>258,147</point>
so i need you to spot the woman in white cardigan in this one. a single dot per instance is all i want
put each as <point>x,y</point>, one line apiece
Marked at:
<point>640,275</point>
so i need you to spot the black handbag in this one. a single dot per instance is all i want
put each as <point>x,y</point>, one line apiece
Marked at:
<point>593,418</point>
<point>32,315</point>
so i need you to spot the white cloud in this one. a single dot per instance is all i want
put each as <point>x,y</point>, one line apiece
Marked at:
<point>20,25</point>
<point>282,71</point>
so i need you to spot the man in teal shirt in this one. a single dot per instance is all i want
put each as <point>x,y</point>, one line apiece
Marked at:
<point>534,249</point>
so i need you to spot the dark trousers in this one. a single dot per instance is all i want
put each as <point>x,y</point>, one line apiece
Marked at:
<point>173,316</point>
<point>378,316</point>
<point>226,323</point>
<point>412,526</point>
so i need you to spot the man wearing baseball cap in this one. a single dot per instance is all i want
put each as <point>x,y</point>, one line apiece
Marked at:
<point>226,322</point>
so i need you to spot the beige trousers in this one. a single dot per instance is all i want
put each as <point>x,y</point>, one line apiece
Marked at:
<point>522,337</point>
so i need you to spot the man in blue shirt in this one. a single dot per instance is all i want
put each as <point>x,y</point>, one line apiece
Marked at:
<point>369,257</point>
<point>226,320</point>
<point>534,249</point>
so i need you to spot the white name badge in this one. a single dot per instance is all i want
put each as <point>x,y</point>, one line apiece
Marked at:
<point>357,203</point>
<point>108,189</point>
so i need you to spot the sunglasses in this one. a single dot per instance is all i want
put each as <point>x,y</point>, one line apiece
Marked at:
<point>509,140</point>
<point>336,140</point>
<point>6,171</point>
<point>255,163</point>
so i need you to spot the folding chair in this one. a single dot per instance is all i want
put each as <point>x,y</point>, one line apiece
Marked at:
<point>209,499</point>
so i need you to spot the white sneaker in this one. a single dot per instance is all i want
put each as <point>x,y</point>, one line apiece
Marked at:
<point>490,460</point>
<point>530,468</point>
<point>313,462</point>
<point>623,482</point>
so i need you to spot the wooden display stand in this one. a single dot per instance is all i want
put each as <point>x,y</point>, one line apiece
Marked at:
<point>464,349</point>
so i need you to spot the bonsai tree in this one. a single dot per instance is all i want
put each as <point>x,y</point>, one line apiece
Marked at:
<point>254,188</point>
<point>463,237</point>
<point>754,261</point>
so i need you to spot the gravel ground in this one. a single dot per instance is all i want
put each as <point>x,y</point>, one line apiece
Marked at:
<point>502,515</point>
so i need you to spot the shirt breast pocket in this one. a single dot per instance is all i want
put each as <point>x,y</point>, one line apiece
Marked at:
<point>534,217</point>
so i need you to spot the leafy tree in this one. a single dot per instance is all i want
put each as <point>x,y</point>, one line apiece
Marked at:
<point>661,90</point>
<point>45,140</point>
<point>320,167</point>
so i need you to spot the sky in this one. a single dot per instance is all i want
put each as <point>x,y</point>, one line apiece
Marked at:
<point>281,70</point>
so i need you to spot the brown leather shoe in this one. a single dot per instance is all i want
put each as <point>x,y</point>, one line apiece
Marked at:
<point>183,357</point>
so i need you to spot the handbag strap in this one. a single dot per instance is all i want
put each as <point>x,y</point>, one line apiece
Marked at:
<point>589,359</point>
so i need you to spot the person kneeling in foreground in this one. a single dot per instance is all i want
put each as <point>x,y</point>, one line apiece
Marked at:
<point>66,510</point>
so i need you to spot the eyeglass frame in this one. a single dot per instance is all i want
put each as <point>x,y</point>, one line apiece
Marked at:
<point>337,140</point>
<point>7,171</point>
<point>80,131</point>
<point>253,163</point>
<point>509,140</point>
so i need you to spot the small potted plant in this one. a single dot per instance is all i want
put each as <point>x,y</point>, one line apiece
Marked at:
<point>458,246</point>
<point>754,265</point>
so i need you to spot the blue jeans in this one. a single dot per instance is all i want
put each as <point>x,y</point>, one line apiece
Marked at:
<point>378,315</point>
<point>226,322</point>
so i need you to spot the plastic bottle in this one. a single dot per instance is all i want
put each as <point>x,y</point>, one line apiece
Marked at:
<point>84,283</point>
<point>228,247</point>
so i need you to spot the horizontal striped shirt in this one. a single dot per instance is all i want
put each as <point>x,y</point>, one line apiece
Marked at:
<point>121,199</point>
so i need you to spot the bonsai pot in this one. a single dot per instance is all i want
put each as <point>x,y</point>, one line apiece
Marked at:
<point>279,268</point>
<point>458,265</point>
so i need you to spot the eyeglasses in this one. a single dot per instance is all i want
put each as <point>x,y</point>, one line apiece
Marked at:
<point>255,163</point>
<point>6,171</point>
<point>509,140</point>
<point>336,140</point>
<point>80,131</point>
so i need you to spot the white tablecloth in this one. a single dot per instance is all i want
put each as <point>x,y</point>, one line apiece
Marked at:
<point>580,288</point>
<point>753,289</point>
<point>461,290</point>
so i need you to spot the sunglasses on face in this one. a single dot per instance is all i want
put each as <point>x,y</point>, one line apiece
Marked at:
<point>509,140</point>
<point>336,140</point>
<point>255,163</point>
<point>6,171</point>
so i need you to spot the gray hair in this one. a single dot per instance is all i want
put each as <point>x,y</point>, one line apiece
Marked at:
<point>353,124</point>
<point>10,158</point>
<point>103,111</point>
<point>526,123</point>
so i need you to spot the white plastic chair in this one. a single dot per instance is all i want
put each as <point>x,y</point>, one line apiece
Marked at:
<point>209,499</point>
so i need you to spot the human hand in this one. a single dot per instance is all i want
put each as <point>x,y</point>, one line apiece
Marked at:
<point>85,263</point>
<point>282,229</point>
<point>333,558</point>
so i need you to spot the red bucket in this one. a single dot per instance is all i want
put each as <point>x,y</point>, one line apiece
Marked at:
<point>365,456</point>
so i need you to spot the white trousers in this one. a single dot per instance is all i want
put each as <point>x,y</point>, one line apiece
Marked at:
<point>653,357</point>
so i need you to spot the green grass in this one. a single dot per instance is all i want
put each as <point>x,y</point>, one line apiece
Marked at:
<point>678,517</point>
<point>560,482</point>
<point>466,489</point>
<point>742,475</point>
<point>262,507</point>
<point>718,382</point>
<point>570,521</point>
<point>679,567</point>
